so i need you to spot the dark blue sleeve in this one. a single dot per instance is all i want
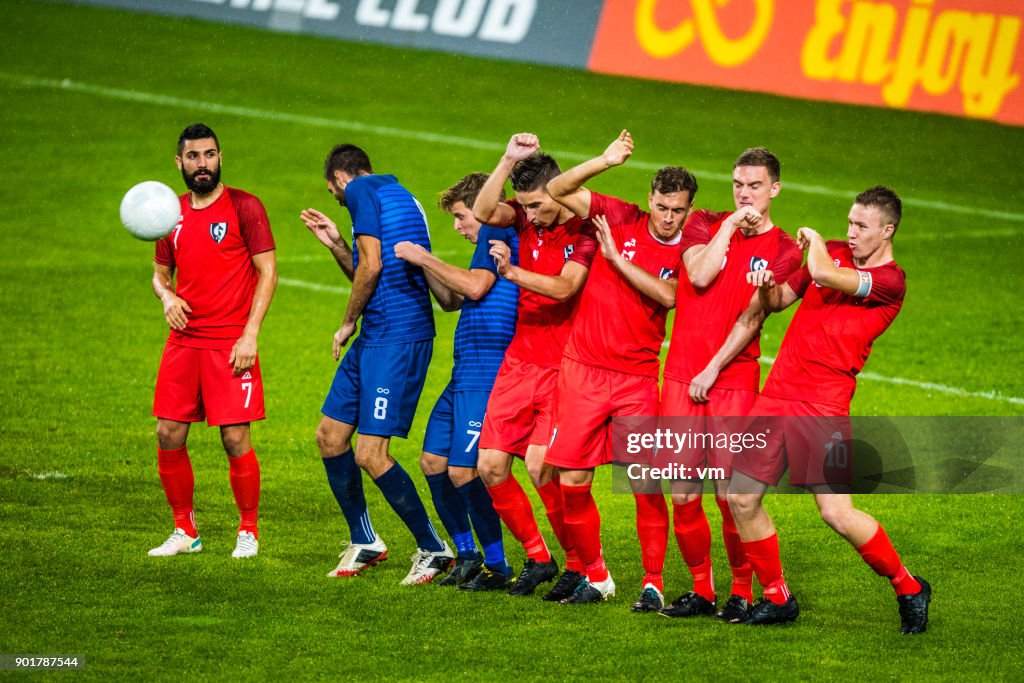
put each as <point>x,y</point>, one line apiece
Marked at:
<point>364,207</point>
<point>481,258</point>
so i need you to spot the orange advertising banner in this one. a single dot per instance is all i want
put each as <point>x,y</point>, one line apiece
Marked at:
<point>960,57</point>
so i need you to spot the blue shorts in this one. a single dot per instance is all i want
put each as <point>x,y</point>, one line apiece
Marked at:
<point>453,430</point>
<point>376,388</point>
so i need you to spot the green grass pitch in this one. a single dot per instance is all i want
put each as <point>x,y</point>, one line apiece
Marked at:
<point>92,102</point>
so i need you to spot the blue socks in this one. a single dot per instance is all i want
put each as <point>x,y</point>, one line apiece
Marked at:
<point>486,523</point>
<point>401,494</point>
<point>452,511</point>
<point>346,480</point>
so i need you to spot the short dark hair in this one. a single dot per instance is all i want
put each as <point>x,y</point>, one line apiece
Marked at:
<point>347,158</point>
<point>760,156</point>
<point>889,204</point>
<point>464,191</point>
<point>534,172</point>
<point>674,179</point>
<point>197,131</point>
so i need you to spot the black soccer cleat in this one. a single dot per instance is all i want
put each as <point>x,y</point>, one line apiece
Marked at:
<point>914,609</point>
<point>767,612</point>
<point>688,605</point>
<point>464,570</point>
<point>565,586</point>
<point>650,600</point>
<point>588,592</point>
<point>735,611</point>
<point>487,579</point>
<point>534,573</point>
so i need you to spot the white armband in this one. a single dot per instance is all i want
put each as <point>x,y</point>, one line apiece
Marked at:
<point>864,288</point>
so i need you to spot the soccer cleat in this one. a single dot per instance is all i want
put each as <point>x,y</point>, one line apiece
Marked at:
<point>688,605</point>
<point>914,609</point>
<point>534,573</point>
<point>176,544</point>
<point>588,592</point>
<point>735,611</point>
<point>246,545</point>
<point>359,556</point>
<point>464,570</point>
<point>650,600</point>
<point>427,564</point>
<point>487,580</point>
<point>565,586</point>
<point>767,612</point>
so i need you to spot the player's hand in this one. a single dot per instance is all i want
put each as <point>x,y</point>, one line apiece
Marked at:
<point>805,237</point>
<point>746,218</point>
<point>609,249</point>
<point>341,338</point>
<point>701,385</point>
<point>521,146</point>
<point>765,279</point>
<point>175,309</point>
<point>243,354</point>
<point>323,228</point>
<point>502,256</point>
<point>620,150</point>
<point>411,252</point>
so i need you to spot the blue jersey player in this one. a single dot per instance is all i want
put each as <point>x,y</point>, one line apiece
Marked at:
<point>379,381</point>
<point>486,326</point>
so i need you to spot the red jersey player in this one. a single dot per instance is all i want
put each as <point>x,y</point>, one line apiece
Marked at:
<point>605,375</point>
<point>555,252</point>
<point>222,252</point>
<point>851,293</point>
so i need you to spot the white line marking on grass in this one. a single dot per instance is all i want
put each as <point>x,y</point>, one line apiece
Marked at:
<point>454,140</point>
<point>48,475</point>
<point>331,289</point>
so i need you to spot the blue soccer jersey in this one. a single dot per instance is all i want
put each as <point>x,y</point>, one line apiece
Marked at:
<point>399,310</point>
<point>486,326</point>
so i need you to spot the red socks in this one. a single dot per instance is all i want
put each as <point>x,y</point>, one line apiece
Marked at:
<point>513,506</point>
<point>764,557</point>
<point>583,522</point>
<point>883,558</point>
<point>652,530</point>
<point>245,483</point>
<point>176,476</point>
<point>693,534</point>
<point>554,506</point>
<point>742,573</point>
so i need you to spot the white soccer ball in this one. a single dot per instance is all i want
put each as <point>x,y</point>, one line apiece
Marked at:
<point>150,210</point>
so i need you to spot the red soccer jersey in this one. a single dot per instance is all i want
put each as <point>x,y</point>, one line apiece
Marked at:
<point>704,317</point>
<point>830,337</point>
<point>616,327</point>
<point>543,324</point>
<point>211,250</point>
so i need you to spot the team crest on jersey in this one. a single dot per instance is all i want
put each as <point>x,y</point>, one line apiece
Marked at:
<point>218,231</point>
<point>665,274</point>
<point>567,251</point>
<point>757,263</point>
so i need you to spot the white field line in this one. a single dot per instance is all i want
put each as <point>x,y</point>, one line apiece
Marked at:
<point>453,140</point>
<point>928,386</point>
<point>330,289</point>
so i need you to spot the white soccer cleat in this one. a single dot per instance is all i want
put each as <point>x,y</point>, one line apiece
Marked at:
<point>426,565</point>
<point>246,545</point>
<point>176,544</point>
<point>360,556</point>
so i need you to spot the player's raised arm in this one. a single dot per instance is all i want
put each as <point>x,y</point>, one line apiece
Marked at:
<point>367,273</point>
<point>561,287</point>
<point>325,230</point>
<point>488,207</point>
<point>473,284</point>
<point>704,262</point>
<point>662,291</point>
<point>567,189</point>
<point>823,269</point>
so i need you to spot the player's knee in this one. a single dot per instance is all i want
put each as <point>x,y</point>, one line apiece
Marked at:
<point>235,441</point>
<point>329,441</point>
<point>492,469</point>
<point>432,464</point>
<point>461,476</point>
<point>684,498</point>
<point>170,435</point>
<point>743,505</point>
<point>836,516</point>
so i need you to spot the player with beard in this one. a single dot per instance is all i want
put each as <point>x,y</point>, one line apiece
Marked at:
<point>556,249</point>
<point>222,255</point>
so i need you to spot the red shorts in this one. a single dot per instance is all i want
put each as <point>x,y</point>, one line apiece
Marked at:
<point>520,410</point>
<point>588,398</point>
<point>812,440</point>
<point>194,384</point>
<point>702,417</point>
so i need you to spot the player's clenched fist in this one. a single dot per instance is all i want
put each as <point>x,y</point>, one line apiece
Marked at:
<point>521,146</point>
<point>502,256</point>
<point>746,218</point>
<point>805,237</point>
<point>761,278</point>
<point>410,252</point>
